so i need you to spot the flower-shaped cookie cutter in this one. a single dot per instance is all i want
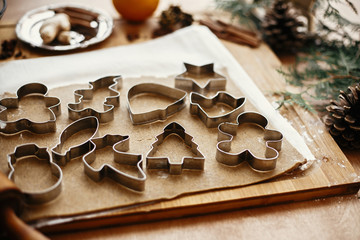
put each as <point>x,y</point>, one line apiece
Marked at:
<point>198,102</point>
<point>77,111</point>
<point>78,150</point>
<point>25,124</point>
<point>226,133</point>
<point>192,163</point>
<point>187,79</point>
<point>157,114</point>
<point>119,144</point>
<point>28,150</point>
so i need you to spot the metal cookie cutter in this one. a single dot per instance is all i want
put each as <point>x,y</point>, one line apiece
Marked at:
<point>157,114</point>
<point>228,130</point>
<point>13,127</point>
<point>195,163</point>
<point>80,149</point>
<point>28,150</point>
<point>119,144</point>
<point>198,101</point>
<point>77,111</point>
<point>187,80</point>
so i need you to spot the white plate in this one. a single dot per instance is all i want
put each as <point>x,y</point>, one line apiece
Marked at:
<point>27,29</point>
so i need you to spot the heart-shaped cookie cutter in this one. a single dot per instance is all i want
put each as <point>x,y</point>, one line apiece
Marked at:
<point>25,124</point>
<point>187,79</point>
<point>226,133</point>
<point>157,114</point>
<point>198,102</point>
<point>28,150</point>
<point>77,111</point>
<point>119,144</point>
<point>192,163</point>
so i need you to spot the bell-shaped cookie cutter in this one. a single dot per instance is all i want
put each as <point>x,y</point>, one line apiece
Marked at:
<point>77,111</point>
<point>157,114</point>
<point>13,127</point>
<point>119,144</point>
<point>192,163</point>
<point>28,150</point>
<point>187,79</point>
<point>77,150</point>
<point>198,102</point>
<point>226,133</point>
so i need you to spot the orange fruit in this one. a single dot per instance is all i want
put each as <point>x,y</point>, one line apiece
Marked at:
<point>135,10</point>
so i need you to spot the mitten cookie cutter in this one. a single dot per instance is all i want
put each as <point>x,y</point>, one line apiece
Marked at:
<point>187,79</point>
<point>28,150</point>
<point>226,133</point>
<point>77,111</point>
<point>77,150</point>
<point>192,163</point>
<point>119,144</point>
<point>157,114</point>
<point>198,102</point>
<point>24,124</point>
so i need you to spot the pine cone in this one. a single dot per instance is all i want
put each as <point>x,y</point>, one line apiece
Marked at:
<point>284,28</point>
<point>343,119</point>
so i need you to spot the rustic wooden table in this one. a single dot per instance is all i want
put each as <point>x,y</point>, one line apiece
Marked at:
<point>327,218</point>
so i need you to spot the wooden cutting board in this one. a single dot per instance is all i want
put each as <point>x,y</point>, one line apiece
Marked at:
<point>330,174</point>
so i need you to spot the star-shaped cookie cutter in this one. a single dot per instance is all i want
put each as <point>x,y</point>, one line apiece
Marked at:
<point>192,163</point>
<point>78,150</point>
<point>187,79</point>
<point>198,102</point>
<point>157,114</point>
<point>25,124</point>
<point>226,133</point>
<point>119,144</point>
<point>77,111</point>
<point>28,150</point>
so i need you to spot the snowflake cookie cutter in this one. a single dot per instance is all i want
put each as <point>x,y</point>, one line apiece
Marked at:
<point>157,114</point>
<point>25,124</point>
<point>77,111</point>
<point>28,150</point>
<point>226,133</point>
<point>78,150</point>
<point>119,144</point>
<point>191,163</point>
<point>198,102</point>
<point>187,79</point>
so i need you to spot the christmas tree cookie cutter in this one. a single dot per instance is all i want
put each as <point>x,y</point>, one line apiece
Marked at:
<point>191,163</point>
<point>198,102</point>
<point>157,114</point>
<point>119,144</point>
<point>187,79</point>
<point>273,142</point>
<point>78,150</point>
<point>28,150</point>
<point>25,124</point>
<point>77,111</point>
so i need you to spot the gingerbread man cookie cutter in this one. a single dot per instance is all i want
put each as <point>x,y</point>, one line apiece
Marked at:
<point>198,102</point>
<point>157,114</point>
<point>192,163</point>
<point>25,124</point>
<point>77,111</point>
<point>273,141</point>
<point>28,150</point>
<point>119,144</point>
<point>187,79</point>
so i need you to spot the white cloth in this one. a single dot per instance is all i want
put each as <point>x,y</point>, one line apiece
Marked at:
<point>160,57</point>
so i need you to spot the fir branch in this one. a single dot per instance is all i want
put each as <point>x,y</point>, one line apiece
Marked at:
<point>243,10</point>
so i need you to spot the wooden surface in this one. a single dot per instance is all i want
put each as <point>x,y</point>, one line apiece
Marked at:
<point>309,219</point>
